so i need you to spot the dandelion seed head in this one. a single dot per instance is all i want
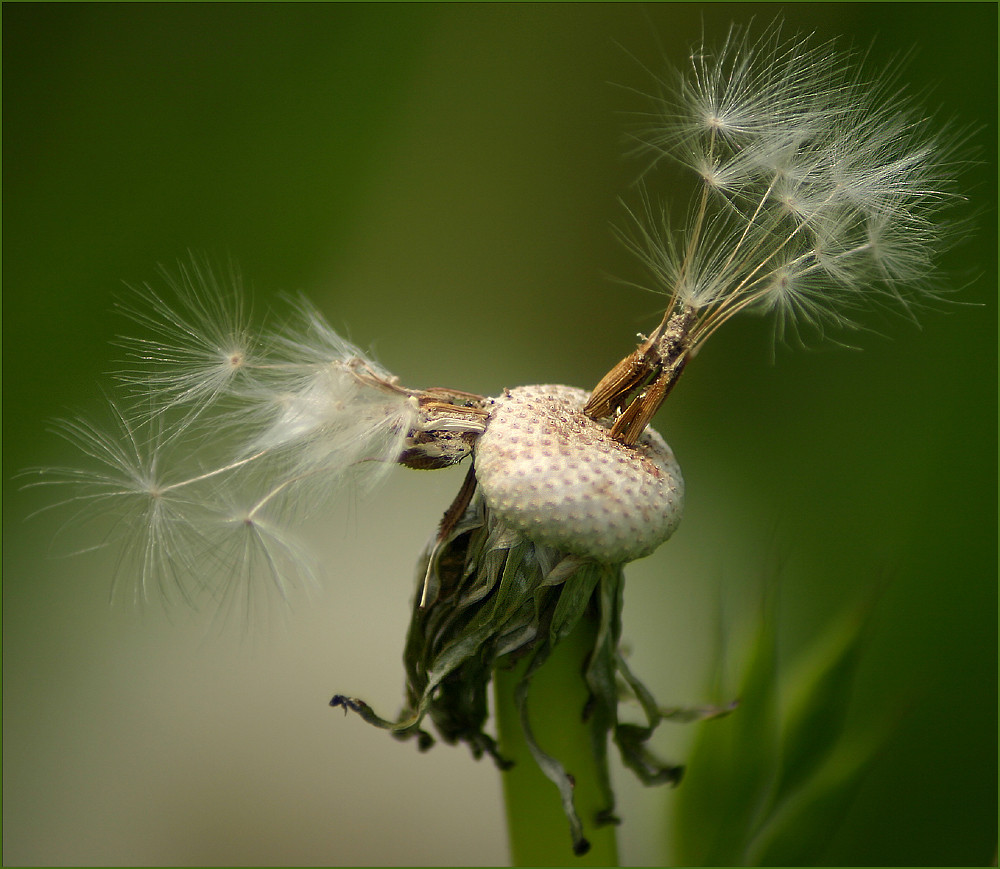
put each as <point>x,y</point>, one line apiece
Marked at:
<point>819,191</point>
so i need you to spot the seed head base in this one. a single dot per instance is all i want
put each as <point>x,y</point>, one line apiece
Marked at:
<point>563,480</point>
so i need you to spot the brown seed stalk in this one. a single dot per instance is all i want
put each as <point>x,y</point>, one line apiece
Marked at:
<point>633,390</point>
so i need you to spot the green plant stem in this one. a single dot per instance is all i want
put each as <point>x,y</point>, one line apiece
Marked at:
<point>537,828</point>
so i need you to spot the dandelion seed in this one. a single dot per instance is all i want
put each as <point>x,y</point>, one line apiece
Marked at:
<point>201,344</point>
<point>255,560</point>
<point>125,500</point>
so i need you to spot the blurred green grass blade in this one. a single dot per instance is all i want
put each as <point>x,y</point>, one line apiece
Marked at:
<point>798,832</point>
<point>770,784</point>
<point>819,689</point>
<point>731,768</point>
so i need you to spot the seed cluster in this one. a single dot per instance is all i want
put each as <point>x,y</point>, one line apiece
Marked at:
<point>560,478</point>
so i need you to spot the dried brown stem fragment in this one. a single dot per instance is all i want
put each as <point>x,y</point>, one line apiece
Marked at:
<point>633,390</point>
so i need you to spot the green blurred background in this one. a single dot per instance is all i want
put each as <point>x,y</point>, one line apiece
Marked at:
<point>440,180</point>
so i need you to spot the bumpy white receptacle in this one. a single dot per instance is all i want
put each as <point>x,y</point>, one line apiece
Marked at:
<point>558,476</point>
